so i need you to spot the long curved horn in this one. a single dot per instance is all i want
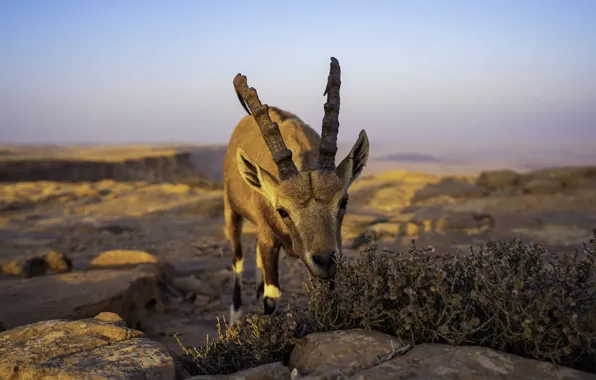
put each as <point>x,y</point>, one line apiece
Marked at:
<point>328,147</point>
<point>282,156</point>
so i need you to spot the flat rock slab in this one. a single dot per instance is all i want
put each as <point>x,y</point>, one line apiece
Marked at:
<point>78,295</point>
<point>98,348</point>
<point>368,355</point>
<point>438,361</point>
<point>273,371</point>
<point>341,352</point>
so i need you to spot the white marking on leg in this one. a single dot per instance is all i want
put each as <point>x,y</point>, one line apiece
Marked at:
<point>235,315</point>
<point>259,271</point>
<point>238,266</point>
<point>259,259</point>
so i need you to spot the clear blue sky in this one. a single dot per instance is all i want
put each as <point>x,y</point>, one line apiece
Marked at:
<point>161,71</point>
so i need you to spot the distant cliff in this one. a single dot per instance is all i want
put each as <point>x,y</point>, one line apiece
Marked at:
<point>157,168</point>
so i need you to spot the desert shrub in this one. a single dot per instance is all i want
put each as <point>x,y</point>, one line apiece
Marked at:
<point>257,340</point>
<point>508,296</point>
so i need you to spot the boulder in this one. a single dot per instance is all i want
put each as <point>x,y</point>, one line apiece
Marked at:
<point>443,221</point>
<point>570,176</point>
<point>341,352</point>
<point>469,223</point>
<point>439,362</point>
<point>130,293</point>
<point>498,179</point>
<point>365,355</point>
<point>99,348</point>
<point>452,187</point>
<point>542,186</point>
<point>273,371</point>
<point>57,262</point>
<point>395,229</point>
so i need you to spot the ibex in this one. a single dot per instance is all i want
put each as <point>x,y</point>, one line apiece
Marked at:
<point>297,200</point>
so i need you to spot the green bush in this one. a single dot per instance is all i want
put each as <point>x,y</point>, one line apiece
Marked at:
<point>509,296</point>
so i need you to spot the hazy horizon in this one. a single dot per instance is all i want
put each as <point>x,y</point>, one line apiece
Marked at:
<point>412,72</point>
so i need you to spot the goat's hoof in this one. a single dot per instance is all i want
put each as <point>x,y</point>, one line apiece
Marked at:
<point>269,305</point>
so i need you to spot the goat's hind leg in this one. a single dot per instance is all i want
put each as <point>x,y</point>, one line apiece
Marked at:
<point>233,222</point>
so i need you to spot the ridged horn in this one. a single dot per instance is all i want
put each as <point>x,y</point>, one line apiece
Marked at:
<point>328,147</point>
<point>282,156</point>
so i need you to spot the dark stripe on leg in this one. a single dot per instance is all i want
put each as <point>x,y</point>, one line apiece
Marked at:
<point>237,294</point>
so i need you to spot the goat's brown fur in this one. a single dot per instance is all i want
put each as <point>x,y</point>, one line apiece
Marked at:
<point>302,210</point>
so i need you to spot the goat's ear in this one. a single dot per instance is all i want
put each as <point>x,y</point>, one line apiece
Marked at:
<point>256,177</point>
<point>351,166</point>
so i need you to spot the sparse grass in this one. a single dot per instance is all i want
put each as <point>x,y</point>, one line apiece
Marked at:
<point>507,296</point>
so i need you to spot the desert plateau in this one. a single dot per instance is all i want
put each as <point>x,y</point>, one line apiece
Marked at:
<point>138,231</point>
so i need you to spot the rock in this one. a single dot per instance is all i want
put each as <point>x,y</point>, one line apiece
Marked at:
<point>450,187</point>
<point>107,316</point>
<point>25,267</point>
<point>555,234</point>
<point>354,223</point>
<point>542,186</point>
<point>188,284</point>
<point>98,348</point>
<point>469,223</point>
<point>130,293</point>
<point>363,355</point>
<point>122,257</point>
<point>383,230</point>
<point>273,371</point>
<point>37,265</point>
<point>31,267</point>
<point>58,262</point>
<point>437,361</point>
<point>393,230</point>
<point>2,327</point>
<point>498,179</point>
<point>126,165</point>
<point>346,352</point>
<point>568,176</point>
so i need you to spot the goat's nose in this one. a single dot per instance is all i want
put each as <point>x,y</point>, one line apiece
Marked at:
<point>323,260</point>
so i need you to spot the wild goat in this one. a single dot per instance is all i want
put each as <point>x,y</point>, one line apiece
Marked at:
<point>297,200</point>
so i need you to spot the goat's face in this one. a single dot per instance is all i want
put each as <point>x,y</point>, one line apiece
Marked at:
<point>311,204</point>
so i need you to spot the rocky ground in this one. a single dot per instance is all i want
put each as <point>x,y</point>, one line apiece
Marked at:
<point>103,347</point>
<point>155,254</point>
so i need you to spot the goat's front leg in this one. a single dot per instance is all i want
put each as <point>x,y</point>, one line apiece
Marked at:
<point>268,257</point>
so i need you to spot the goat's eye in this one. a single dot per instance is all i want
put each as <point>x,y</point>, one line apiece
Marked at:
<point>283,213</point>
<point>343,204</point>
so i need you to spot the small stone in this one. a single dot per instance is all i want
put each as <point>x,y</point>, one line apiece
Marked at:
<point>26,268</point>
<point>122,257</point>
<point>58,262</point>
<point>107,316</point>
<point>187,284</point>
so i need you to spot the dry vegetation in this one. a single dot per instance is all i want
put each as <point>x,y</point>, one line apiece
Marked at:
<point>507,296</point>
